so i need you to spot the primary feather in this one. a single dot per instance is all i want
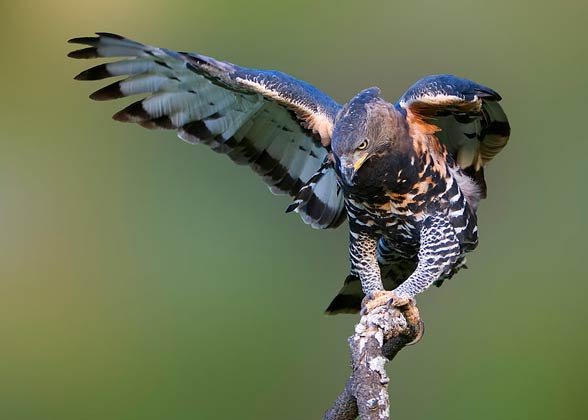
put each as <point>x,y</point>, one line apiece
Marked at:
<point>277,125</point>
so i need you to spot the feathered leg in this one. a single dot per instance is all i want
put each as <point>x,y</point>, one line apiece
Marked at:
<point>438,253</point>
<point>364,261</point>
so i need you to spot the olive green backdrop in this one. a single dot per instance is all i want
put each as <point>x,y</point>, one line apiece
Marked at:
<point>144,278</point>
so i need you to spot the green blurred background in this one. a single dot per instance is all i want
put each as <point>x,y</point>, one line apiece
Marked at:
<point>143,278</point>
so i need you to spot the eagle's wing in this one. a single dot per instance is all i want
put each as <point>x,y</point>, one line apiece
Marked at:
<point>465,116</point>
<point>280,126</point>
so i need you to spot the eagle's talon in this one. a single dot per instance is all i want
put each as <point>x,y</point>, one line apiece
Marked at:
<point>399,301</point>
<point>419,332</point>
<point>374,300</point>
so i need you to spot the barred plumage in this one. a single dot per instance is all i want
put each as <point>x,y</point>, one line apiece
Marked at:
<point>408,176</point>
<point>264,119</point>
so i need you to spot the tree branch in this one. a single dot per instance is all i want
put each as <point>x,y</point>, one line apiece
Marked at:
<point>379,336</point>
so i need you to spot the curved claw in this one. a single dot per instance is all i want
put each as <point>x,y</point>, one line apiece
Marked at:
<point>399,301</point>
<point>420,331</point>
<point>403,302</point>
<point>375,299</point>
<point>384,297</point>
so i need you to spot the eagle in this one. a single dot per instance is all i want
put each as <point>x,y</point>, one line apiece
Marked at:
<point>407,176</point>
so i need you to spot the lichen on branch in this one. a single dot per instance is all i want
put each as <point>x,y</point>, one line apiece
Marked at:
<point>380,334</point>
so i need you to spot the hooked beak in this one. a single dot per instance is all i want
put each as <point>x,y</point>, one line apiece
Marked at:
<point>349,169</point>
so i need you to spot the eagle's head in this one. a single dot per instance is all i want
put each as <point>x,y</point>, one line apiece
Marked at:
<point>365,128</point>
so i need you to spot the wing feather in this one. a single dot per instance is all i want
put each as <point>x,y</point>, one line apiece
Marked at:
<point>463,115</point>
<point>276,124</point>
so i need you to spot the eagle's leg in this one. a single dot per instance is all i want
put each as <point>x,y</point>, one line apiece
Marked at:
<point>438,253</point>
<point>363,254</point>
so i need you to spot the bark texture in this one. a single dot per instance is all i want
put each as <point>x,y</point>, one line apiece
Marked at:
<point>379,336</point>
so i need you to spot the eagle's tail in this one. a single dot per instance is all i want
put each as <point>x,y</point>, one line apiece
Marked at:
<point>348,301</point>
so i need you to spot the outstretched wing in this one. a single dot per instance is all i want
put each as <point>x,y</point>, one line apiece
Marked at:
<point>465,116</point>
<point>280,126</point>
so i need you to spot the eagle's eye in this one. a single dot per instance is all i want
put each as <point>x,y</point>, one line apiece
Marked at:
<point>363,145</point>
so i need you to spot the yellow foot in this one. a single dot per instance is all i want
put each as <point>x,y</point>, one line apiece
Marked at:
<point>404,303</point>
<point>384,297</point>
<point>399,301</point>
<point>375,300</point>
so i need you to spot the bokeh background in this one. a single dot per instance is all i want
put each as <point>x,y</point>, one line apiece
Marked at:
<point>143,278</point>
